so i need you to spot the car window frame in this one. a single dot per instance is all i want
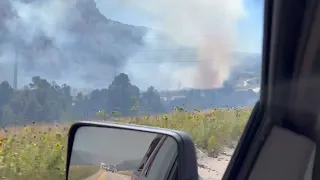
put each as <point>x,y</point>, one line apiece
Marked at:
<point>151,158</point>
<point>139,173</point>
<point>173,174</point>
<point>154,157</point>
<point>279,63</point>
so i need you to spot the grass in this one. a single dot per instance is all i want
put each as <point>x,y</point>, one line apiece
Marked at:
<point>39,151</point>
<point>33,152</point>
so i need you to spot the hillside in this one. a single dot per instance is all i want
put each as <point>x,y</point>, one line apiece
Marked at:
<point>80,157</point>
<point>77,158</point>
<point>83,36</point>
<point>84,47</point>
<point>128,165</point>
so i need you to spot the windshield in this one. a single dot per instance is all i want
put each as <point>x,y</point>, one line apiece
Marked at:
<point>189,65</point>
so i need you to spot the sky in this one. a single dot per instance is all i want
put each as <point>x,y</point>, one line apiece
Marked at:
<point>241,26</point>
<point>108,144</point>
<point>115,145</point>
<point>249,28</point>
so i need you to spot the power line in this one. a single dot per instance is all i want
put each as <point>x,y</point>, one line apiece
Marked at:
<point>179,49</point>
<point>171,39</point>
<point>191,61</point>
<point>173,49</point>
<point>176,49</point>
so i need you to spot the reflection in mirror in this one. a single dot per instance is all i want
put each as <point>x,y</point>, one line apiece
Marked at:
<point>109,153</point>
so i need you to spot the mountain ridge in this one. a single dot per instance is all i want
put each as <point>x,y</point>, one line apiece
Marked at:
<point>92,48</point>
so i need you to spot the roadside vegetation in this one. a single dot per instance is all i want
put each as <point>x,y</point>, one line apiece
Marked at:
<point>48,102</point>
<point>37,151</point>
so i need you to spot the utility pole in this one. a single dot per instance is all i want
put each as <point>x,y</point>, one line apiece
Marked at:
<point>15,72</point>
<point>15,69</point>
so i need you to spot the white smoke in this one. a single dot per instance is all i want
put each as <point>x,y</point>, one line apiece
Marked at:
<point>210,26</point>
<point>56,40</point>
<point>49,17</point>
<point>207,27</point>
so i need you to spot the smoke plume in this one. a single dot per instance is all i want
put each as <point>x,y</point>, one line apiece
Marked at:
<point>70,41</point>
<point>209,26</point>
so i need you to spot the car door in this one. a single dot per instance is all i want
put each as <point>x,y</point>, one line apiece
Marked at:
<point>279,141</point>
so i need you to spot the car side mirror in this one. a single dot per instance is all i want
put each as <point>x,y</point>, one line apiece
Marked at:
<point>129,152</point>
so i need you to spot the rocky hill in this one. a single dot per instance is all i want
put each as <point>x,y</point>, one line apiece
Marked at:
<point>64,41</point>
<point>57,47</point>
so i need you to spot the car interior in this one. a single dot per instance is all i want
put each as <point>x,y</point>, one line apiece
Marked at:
<point>279,141</point>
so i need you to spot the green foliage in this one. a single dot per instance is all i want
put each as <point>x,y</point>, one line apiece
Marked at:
<point>38,152</point>
<point>33,154</point>
<point>103,114</point>
<point>40,100</point>
<point>48,102</point>
<point>116,113</point>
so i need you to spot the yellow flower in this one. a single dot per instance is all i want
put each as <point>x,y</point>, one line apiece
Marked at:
<point>46,137</point>
<point>58,146</point>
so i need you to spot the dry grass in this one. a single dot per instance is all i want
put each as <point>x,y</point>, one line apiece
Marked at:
<point>37,151</point>
<point>35,127</point>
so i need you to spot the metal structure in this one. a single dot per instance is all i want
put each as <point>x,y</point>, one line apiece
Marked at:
<point>15,74</point>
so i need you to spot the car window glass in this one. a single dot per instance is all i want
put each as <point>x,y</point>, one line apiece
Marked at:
<point>163,161</point>
<point>192,66</point>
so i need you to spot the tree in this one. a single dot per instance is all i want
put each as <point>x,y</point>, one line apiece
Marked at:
<point>49,102</point>
<point>151,101</point>
<point>122,95</point>
<point>8,117</point>
<point>5,95</point>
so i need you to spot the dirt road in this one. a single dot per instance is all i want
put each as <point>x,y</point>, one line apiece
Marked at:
<point>209,168</point>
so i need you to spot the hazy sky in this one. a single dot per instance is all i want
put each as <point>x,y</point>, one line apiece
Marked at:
<point>249,27</point>
<point>212,28</point>
<point>241,26</point>
<point>117,144</point>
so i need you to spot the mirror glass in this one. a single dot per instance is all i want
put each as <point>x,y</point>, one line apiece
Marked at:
<point>108,153</point>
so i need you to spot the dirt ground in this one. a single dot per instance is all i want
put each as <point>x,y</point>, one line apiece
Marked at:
<point>213,168</point>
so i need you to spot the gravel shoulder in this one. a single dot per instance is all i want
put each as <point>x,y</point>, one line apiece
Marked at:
<point>213,168</point>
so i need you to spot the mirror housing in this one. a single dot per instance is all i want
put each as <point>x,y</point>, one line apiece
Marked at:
<point>185,158</point>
